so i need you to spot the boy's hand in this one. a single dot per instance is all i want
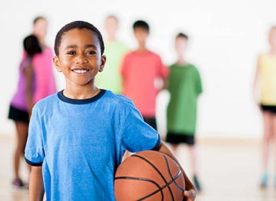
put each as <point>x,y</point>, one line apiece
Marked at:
<point>189,195</point>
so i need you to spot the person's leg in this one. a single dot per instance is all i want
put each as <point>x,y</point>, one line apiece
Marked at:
<point>193,159</point>
<point>194,168</point>
<point>21,133</point>
<point>174,148</point>
<point>274,135</point>
<point>268,133</point>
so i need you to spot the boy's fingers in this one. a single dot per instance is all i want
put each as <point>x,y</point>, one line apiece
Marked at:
<point>190,195</point>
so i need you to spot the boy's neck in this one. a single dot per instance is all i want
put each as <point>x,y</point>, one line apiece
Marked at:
<point>80,92</point>
<point>142,47</point>
<point>181,60</point>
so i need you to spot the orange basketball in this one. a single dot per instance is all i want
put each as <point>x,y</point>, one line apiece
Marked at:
<point>149,176</point>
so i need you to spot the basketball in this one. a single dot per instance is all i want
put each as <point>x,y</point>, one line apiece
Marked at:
<point>150,176</point>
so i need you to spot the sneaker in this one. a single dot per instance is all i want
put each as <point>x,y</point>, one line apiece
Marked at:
<point>264,181</point>
<point>18,183</point>
<point>197,184</point>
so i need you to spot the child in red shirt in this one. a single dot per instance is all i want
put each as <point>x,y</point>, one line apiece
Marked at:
<point>141,70</point>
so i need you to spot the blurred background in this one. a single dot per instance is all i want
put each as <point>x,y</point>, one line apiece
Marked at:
<point>225,40</point>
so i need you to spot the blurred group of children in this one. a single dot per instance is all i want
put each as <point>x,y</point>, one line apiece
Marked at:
<point>138,73</point>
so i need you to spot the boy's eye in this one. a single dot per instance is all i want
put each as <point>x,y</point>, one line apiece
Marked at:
<point>91,52</point>
<point>71,52</point>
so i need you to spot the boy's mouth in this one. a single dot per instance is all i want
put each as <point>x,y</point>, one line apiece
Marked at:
<point>80,70</point>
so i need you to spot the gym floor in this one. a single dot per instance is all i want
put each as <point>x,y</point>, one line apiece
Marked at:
<point>229,171</point>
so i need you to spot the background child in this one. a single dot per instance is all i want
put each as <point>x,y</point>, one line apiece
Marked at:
<point>265,80</point>
<point>184,85</point>
<point>79,135</point>
<point>22,102</point>
<point>44,76</point>
<point>110,78</point>
<point>141,69</point>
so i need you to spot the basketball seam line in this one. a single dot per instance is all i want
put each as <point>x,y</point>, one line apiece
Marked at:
<point>144,179</point>
<point>166,185</point>
<point>164,179</point>
<point>148,180</point>
<point>168,168</point>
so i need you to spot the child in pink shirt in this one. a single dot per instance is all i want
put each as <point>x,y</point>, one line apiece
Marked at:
<point>43,69</point>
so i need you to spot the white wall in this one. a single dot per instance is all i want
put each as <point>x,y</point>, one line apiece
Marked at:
<point>226,37</point>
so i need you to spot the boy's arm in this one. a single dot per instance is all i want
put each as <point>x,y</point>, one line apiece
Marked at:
<point>36,188</point>
<point>256,79</point>
<point>190,192</point>
<point>28,72</point>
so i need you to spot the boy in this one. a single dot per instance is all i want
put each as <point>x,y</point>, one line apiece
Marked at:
<point>115,50</point>
<point>78,136</point>
<point>184,85</point>
<point>141,69</point>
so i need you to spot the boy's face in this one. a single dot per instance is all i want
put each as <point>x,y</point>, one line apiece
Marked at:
<point>79,57</point>
<point>180,45</point>
<point>141,35</point>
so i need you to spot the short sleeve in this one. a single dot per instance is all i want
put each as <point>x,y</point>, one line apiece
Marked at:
<point>163,70</point>
<point>198,83</point>
<point>136,134</point>
<point>34,152</point>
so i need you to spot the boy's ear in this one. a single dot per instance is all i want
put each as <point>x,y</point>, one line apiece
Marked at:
<point>103,61</point>
<point>57,63</point>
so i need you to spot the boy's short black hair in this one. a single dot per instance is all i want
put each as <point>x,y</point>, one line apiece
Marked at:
<point>37,19</point>
<point>78,25</point>
<point>31,45</point>
<point>182,35</point>
<point>141,24</point>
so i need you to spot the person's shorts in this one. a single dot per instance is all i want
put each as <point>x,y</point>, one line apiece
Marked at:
<point>18,115</point>
<point>268,108</point>
<point>178,138</point>
<point>151,121</point>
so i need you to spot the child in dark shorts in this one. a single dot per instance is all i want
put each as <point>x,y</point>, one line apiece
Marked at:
<point>22,102</point>
<point>265,79</point>
<point>184,85</point>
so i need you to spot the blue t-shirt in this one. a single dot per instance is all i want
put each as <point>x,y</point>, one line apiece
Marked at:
<point>80,143</point>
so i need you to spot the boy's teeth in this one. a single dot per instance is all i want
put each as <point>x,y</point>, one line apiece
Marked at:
<point>80,71</point>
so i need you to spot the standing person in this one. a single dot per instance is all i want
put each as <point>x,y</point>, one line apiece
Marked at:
<point>184,85</point>
<point>110,78</point>
<point>141,69</point>
<point>22,102</point>
<point>78,136</point>
<point>265,80</point>
<point>43,69</point>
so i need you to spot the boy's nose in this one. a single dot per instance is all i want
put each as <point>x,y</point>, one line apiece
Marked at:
<point>81,59</point>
